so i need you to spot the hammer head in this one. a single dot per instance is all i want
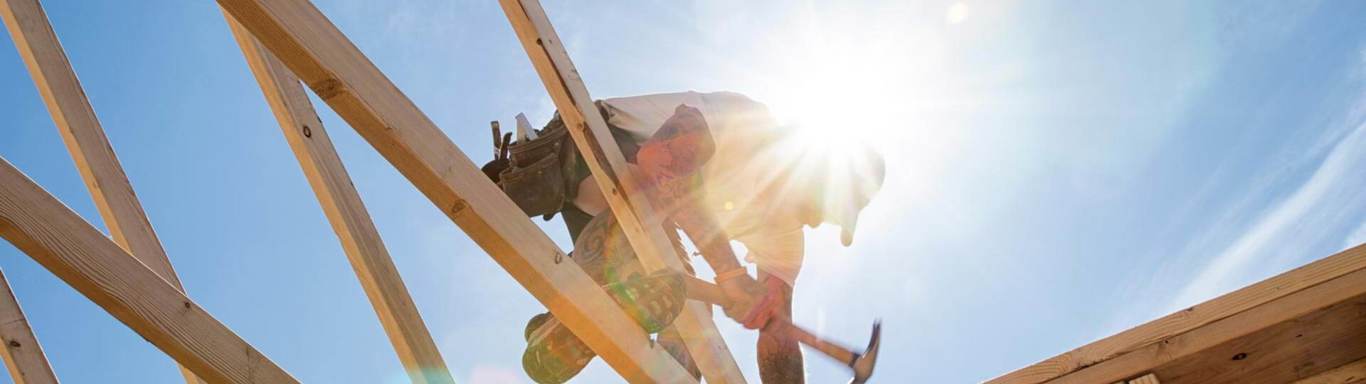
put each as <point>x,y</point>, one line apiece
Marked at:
<point>864,363</point>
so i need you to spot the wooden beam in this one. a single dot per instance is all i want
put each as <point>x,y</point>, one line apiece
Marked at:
<point>23,356</point>
<point>85,139</point>
<point>73,250</point>
<point>1282,353</point>
<point>320,55</point>
<point>1306,330</point>
<point>345,210</point>
<point>1350,373</point>
<point>1190,319</point>
<point>619,184</point>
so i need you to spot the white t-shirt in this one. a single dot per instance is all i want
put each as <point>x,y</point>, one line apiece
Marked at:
<point>738,180</point>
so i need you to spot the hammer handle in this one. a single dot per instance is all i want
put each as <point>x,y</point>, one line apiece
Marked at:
<point>703,291</point>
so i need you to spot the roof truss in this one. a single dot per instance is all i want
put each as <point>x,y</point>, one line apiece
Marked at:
<point>344,209</point>
<point>1288,328</point>
<point>321,56</point>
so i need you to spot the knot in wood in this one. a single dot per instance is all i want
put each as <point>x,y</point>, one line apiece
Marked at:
<point>328,89</point>
<point>458,206</point>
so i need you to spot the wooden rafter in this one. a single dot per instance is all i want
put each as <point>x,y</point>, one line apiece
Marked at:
<point>73,250</point>
<point>345,210</point>
<point>1285,328</point>
<point>85,139</point>
<point>628,201</point>
<point>321,56</point>
<point>23,356</point>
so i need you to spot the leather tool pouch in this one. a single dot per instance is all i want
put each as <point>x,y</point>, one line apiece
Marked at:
<point>543,174</point>
<point>535,178</point>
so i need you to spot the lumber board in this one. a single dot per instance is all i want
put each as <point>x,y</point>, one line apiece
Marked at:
<point>324,59</point>
<point>1283,353</point>
<point>1350,373</point>
<point>1188,319</point>
<point>75,118</point>
<point>1319,323</point>
<point>639,221</point>
<point>22,354</point>
<point>73,250</point>
<point>85,139</point>
<point>346,212</point>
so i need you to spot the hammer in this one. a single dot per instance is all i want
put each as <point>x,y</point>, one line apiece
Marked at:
<point>861,363</point>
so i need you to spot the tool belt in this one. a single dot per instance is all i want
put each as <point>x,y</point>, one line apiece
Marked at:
<point>544,173</point>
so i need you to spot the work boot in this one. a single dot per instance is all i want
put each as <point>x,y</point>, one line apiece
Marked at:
<point>653,301</point>
<point>553,354</point>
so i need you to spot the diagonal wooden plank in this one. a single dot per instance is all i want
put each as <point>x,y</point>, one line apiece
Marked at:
<point>1190,318</point>
<point>76,252</point>
<point>85,139</point>
<point>23,356</point>
<point>1277,354</point>
<point>320,55</point>
<point>1180,357</point>
<point>345,210</point>
<point>81,130</point>
<point>627,200</point>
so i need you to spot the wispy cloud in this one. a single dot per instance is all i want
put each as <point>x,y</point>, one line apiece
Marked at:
<point>1300,220</point>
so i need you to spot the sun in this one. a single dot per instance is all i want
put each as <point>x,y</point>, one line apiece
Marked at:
<point>838,83</point>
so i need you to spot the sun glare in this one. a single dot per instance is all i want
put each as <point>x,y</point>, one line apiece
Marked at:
<point>841,81</point>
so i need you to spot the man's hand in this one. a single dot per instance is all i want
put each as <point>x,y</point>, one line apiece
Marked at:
<point>752,304</point>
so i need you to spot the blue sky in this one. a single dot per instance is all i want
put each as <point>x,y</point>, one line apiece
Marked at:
<point>1058,171</point>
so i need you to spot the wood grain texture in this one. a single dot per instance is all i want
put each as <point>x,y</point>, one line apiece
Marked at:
<point>346,212</point>
<point>322,57</point>
<point>1190,318</point>
<point>1269,334</point>
<point>22,354</point>
<point>85,138</point>
<point>1288,351</point>
<point>1350,373</point>
<point>73,250</point>
<point>632,208</point>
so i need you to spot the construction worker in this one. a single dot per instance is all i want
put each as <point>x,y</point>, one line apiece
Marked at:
<point>722,168</point>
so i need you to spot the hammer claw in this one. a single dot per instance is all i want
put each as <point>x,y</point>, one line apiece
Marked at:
<point>864,363</point>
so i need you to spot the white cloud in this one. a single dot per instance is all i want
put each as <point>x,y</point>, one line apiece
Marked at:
<point>1315,204</point>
